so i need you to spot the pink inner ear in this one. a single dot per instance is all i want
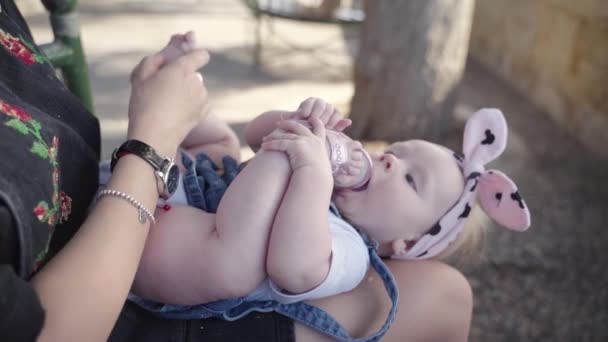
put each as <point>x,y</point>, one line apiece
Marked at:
<point>498,197</point>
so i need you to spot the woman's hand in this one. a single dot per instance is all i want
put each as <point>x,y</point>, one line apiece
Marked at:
<point>305,148</point>
<point>167,99</point>
<point>327,113</point>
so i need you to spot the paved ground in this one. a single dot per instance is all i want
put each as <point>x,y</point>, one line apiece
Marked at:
<point>548,284</point>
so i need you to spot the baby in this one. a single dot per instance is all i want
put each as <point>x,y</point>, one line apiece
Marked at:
<point>284,232</point>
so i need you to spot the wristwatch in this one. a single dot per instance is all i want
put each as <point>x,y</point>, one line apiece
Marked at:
<point>165,169</point>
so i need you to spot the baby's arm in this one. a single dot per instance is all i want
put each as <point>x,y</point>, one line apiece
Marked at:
<point>299,251</point>
<point>349,263</point>
<point>262,125</point>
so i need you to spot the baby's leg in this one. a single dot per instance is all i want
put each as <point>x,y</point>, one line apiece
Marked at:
<point>215,138</point>
<point>247,211</point>
<point>194,257</point>
<point>211,136</point>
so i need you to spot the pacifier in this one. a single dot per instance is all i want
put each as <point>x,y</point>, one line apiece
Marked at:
<point>350,163</point>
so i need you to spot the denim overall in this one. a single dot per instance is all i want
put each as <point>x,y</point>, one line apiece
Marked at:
<point>204,189</point>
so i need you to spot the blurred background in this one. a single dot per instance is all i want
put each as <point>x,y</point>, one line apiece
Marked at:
<point>416,69</point>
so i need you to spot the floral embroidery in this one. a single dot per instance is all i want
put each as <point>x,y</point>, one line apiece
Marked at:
<point>21,49</point>
<point>61,203</point>
<point>66,207</point>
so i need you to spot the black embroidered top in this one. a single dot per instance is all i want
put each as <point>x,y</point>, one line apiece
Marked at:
<point>49,150</point>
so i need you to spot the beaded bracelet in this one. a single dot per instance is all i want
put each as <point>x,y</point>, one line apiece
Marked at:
<point>144,213</point>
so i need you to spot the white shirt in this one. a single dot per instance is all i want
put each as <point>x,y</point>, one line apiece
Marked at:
<point>349,263</point>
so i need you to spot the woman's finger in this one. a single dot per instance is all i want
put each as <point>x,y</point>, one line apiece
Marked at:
<point>193,60</point>
<point>196,86</point>
<point>147,67</point>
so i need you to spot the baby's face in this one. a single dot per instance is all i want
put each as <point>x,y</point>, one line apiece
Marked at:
<point>413,183</point>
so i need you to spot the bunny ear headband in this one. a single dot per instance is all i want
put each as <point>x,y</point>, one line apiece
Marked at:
<point>485,138</point>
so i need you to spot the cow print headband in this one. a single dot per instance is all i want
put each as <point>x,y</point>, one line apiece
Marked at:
<point>485,138</point>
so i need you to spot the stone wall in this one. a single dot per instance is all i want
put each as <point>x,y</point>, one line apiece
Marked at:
<point>556,53</point>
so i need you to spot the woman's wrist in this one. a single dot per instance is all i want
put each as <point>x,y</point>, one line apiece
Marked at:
<point>163,144</point>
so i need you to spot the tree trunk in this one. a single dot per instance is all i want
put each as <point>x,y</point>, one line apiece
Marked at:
<point>411,59</point>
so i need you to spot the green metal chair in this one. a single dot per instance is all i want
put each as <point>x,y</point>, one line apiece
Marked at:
<point>65,52</point>
<point>340,12</point>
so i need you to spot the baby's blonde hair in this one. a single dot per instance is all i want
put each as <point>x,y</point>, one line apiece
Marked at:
<point>469,243</point>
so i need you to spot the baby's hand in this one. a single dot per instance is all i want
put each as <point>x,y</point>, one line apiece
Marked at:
<point>306,148</point>
<point>355,170</point>
<point>330,117</point>
<point>179,45</point>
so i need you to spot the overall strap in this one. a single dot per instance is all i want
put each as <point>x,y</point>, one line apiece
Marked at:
<point>321,321</point>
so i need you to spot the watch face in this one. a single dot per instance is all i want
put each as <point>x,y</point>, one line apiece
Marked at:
<point>172,179</point>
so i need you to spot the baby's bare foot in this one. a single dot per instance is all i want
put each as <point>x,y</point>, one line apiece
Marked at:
<point>179,45</point>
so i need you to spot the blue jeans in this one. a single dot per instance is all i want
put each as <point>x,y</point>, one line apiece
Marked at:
<point>204,188</point>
